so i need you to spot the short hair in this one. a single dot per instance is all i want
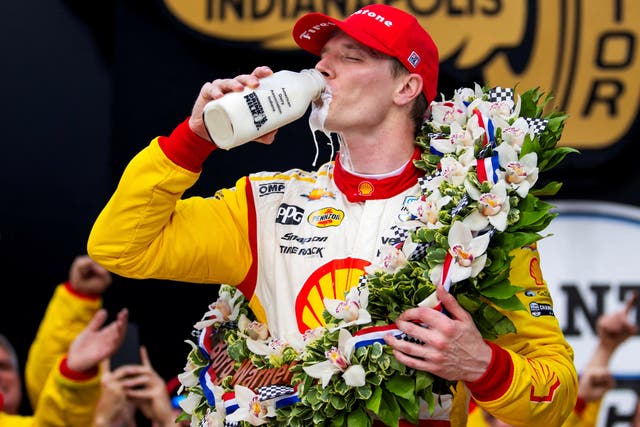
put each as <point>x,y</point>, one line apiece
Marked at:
<point>6,344</point>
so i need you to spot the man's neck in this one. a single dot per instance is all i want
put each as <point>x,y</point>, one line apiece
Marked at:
<point>379,155</point>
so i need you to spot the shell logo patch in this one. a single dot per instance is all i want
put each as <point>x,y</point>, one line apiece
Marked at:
<point>326,217</point>
<point>535,272</point>
<point>545,382</point>
<point>365,188</point>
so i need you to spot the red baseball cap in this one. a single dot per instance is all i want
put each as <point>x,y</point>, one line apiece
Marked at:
<point>381,27</point>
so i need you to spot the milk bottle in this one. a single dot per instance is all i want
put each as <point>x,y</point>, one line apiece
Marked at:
<point>240,117</point>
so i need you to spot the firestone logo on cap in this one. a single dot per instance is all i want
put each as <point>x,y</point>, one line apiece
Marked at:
<point>309,32</point>
<point>376,17</point>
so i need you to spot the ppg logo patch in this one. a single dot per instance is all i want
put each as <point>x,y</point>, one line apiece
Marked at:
<point>414,59</point>
<point>289,214</point>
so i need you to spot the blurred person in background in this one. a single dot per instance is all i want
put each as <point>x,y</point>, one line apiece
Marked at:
<point>10,380</point>
<point>596,378</point>
<point>69,393</point>
<point>130,388</point>
<point>61,373</point>
<point>70,309</point>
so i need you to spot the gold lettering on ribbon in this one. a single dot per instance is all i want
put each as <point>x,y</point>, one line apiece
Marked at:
<point>247,374</point>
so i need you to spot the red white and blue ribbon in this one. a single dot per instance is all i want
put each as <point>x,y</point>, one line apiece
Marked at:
<point>373,334</point>
<point>205,343</point>
<point>230,402</point>
<point>487,125</point>
<point>206,382</point>
<point>286,400</point>
<point>445,279</point>
<point>487,169</point>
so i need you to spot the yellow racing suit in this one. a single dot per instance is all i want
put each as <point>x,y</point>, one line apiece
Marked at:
<point>584,414</point>
<point>289,239</point>
<point>59,396</point>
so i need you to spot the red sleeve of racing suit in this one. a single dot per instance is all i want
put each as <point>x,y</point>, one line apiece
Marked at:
<point>185,148</point>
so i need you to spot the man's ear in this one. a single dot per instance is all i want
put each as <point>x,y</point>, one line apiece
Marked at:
<point>410,88</point>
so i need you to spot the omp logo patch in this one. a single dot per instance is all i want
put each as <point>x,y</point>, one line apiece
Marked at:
<point>270,188</point>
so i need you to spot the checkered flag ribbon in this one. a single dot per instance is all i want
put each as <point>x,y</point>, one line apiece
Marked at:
<point>400,233</point>
<point>362,282</point>
<point>424,181</point>
<point>500,94</point>
<point>205,423</point>
<point>464,201</point>
<point>273,391</point>
<point>438,135</point>
<point>419,252</point>
<point>405,337</point>
<point>536,124</point>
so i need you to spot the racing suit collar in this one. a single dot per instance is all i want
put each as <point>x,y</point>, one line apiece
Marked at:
<point>361,189</point>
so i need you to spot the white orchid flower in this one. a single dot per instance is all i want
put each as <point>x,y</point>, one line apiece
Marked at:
<point>459,137</point>
<point>243,322</point>
<point>264,348</point>
<point>215,418</point>
<point>465,95</point>
<point>225,308</point>
<point>453,171</point>
<point>352,310</point>
<point>310,335</point>
<point>468,254</point>
<point>519,173</point>
<point>296,341</point>
<point>475,131</point>
<point>426,209</point>
<point>189,403</point>
<point>250,409</point>
<point>257,331</point>
<point>257,337</point>
<point>513,134</point>
<point>444,145</point>
<point>355,376</point>
<point>252,328</point>
<point>445,113</point>
<point>272,349</point>
<point>505,110</point>
<point>472,133</point>
<point>390,260</point>
<point>493,207</point>
<point>432,300</point>
<point>189,378</point>
<point>339,360</point>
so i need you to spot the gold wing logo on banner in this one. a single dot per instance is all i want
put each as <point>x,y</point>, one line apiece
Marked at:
<point>583,52</point>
